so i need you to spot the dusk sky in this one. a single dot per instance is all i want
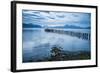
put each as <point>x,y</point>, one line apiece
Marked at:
<point>55,18</point>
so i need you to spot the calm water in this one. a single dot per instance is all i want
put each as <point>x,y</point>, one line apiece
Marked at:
<point>37,43</point>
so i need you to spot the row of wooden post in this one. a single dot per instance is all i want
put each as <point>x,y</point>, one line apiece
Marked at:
<point>81,35</point>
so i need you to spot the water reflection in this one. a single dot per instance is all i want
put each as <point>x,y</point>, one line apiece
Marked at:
<point>37,43</point>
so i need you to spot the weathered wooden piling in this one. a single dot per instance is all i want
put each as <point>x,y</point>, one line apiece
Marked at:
<point>85,36</point>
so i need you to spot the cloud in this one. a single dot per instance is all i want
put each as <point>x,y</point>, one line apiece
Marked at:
<point>48,18</point>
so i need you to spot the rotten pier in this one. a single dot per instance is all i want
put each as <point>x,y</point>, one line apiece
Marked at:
<point>81,35</point>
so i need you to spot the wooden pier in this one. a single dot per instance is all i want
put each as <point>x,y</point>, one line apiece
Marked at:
<point>81,35</point>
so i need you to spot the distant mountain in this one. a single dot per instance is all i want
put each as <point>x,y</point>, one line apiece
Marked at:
<point>87,27</point>
<point>75,27</point>
<point>72,27</point>
<point>31,25</point>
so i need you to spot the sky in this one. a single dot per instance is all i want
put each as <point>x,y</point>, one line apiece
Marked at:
<point>56,18</point>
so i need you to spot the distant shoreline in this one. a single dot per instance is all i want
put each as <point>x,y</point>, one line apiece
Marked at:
<point>54,28</point>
